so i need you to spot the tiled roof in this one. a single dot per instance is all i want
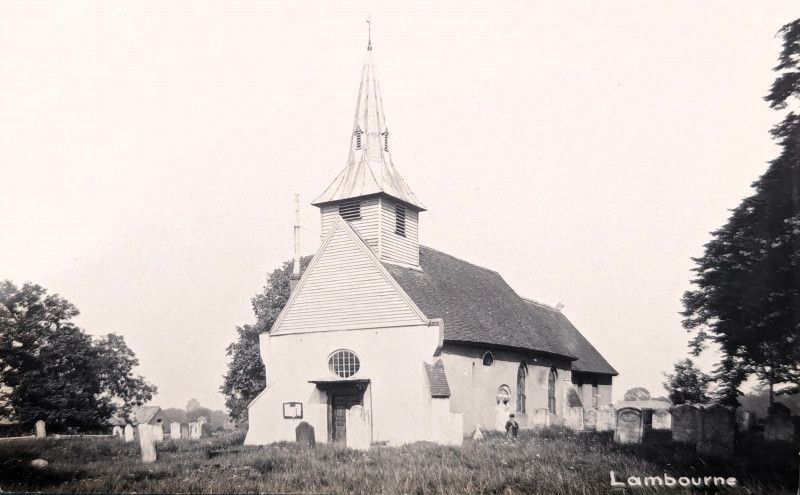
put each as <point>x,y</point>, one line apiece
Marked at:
<point>437,379</point>
<point>144,414</point>
<point>479,307</point>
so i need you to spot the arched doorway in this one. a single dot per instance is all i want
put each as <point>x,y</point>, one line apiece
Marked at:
<point>522,373</point>
<point>551,390</point>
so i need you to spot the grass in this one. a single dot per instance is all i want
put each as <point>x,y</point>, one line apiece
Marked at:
<point>553,461</point>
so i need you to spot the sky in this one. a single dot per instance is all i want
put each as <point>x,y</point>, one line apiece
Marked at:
<point>150,152</point>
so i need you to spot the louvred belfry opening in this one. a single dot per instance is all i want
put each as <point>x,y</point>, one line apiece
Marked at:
<point>369,193</point>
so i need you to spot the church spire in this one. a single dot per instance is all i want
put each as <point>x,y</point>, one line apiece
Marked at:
<point>369,167</point>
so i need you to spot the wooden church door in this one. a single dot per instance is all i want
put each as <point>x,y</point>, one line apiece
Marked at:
<point>340,403</point>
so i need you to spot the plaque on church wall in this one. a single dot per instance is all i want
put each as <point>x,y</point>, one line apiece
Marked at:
<point>292,410</point>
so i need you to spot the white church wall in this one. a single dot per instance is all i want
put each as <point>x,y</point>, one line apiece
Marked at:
<point>474,386</point>
<point>394,400</point>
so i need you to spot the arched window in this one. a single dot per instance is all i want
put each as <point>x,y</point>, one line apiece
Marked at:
<point>488,359</point>
<point>344,363</point>
<point>551,390</point>
<point>522,373</point>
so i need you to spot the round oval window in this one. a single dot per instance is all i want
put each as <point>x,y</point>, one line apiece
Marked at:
<point>344,363</point>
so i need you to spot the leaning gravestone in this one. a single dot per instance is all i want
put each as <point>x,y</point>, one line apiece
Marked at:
<point>590,419</point>
<point>662,419</point>
<point>717,431</point>
<point>128,433</point>
<point>304,434</point>
<point>779,427</point>
<point>185,432</point>
<point>174,431</point>
<point>686,424</point>
<point>606,418</point>
<point>40,431</point>
<point>629,426</point>
<point>205,430</point>
<point>158,433</point>
<point>147,443</point>
<point>573,418</point>
<point>357,423</point>
<point>116,431</point>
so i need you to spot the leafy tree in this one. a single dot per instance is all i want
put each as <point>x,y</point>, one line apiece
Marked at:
<point>246,376</point>
<point>197,412</point>
<point>192,405</point>
<point>688,384</point>
<point>637,393</point>
<point>51,370</point>
<point>747,300</point>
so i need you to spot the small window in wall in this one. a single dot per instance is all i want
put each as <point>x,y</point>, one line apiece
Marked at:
<point>551,390</point>
<point>344,363</point>
<point>522,374</point>
<point>594,395</point>
<point>350,210</point>
<point>488,359</point>
<point>400,220</point>
<point>386,140</point>
<point>358,138</point>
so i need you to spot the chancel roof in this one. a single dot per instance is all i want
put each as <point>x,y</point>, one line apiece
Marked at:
<point>479,307</point>
<point>437,379</point>
<point>369,167</point>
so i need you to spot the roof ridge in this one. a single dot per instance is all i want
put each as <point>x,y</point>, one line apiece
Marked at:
<point>463,261</point>
<point>538,303</point>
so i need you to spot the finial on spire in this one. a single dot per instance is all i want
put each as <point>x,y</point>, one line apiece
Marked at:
<point>369,33</point>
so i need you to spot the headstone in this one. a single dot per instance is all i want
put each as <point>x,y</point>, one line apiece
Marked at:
<point>501,412</point>
<point>780,428</point>
<point>147,443</point>
<point>116,431</point>
<point>745,420</point>
<point>573,418</point>
<point>158,433</point>
<point>40,431</point>
<point>717,431</point>
<point>541,418</point>
<point>174,431</point>
<point>128,433</point>
<point>202,420</point>
<point>629,428</point>
<point>606,418</point>
<point>686,424</point>
<point>357,424</point>
<point>477,435</point>
<point>39,463</point>
<point>185,432</point>
<point>304,434</point>
<point>590,419</point>
<point>662,419</point>
<point>205,430</point>
<point>194,430</point>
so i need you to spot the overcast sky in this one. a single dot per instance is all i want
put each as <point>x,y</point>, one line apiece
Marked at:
<point>150,152</point>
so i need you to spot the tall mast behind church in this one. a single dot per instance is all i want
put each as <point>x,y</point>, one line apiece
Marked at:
<point>369,193</point>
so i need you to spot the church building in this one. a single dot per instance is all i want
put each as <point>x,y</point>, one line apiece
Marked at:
<point>428,344</point>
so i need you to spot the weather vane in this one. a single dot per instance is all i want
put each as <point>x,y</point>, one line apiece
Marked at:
<point>369,33</point>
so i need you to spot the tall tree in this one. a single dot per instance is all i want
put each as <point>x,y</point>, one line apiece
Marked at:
<point>246,376</point>
<point>51,370</point>
<point>637,393</point>
<point>747,300</point>
<point>687,384</point>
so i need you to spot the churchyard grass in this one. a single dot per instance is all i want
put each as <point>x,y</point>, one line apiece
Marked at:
<point>553,461</point>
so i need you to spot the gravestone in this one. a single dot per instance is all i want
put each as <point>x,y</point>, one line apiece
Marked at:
<point>194,430</point>
<point>629,428</point>
<point>174,431</point>
<point>128,433</point>
<point>185,432</point>
<point>573,418</point>
<point>501,412</point>
<point>147,443</point>
<point>686,424</point>
<point>590,419</point>
<point>477,435</point>
<point>745,420</point>
<point>780,427</point>
<point>40,430</point>
<point>205,430</point>
<point>202,420</point>
<point>662,419</point>
<point>357,423</point>
<point>606,418</point>
<point>304,434</point>
<point>717,431</point>
<point>117,431</point>
<point>158,433</point>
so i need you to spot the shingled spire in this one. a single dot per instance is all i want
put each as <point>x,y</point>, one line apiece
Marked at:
<point>369,167</point>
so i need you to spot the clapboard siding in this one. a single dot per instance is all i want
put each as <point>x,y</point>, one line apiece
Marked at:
<point>395,247</point>
<point>366,226</point>
<point>345,288</point>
